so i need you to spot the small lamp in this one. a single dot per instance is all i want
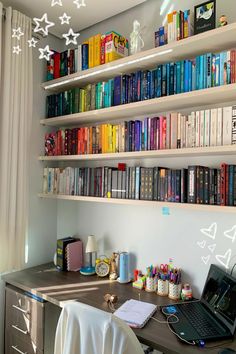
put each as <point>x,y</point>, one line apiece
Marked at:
<point>91,247</point>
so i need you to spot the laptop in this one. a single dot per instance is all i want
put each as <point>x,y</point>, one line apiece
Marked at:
<point>213,317</point>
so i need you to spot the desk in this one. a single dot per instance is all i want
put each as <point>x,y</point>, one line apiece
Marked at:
<point>60,287</point>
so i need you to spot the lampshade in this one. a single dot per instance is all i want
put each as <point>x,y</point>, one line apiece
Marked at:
<point>91,244</point>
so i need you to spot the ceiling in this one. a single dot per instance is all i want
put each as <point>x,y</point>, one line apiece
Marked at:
<point>94,12</point>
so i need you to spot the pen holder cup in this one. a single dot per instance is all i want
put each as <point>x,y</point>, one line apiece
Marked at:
<point>163,287</point>
<point>174,291</point>
<point>150,284</point>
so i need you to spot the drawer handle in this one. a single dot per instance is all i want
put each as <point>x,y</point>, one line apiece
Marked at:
<point>18,329</point>
<point>18,350</point>
<point>20,309</point>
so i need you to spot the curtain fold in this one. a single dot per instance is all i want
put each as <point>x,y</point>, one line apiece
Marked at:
<point>15,124</point>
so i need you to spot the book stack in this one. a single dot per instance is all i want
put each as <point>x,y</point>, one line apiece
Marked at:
<point>179,26</point>
<point>211,127</point>
<point>196,184</point>
<point>97,50</point>
<point>205,71</point>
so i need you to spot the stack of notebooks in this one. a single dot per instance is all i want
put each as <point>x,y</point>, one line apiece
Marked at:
<point>136,313</point>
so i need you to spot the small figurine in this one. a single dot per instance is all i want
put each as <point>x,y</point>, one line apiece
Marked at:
<point>222,21</point>
<point>136,41</point>
<point>113,267</point>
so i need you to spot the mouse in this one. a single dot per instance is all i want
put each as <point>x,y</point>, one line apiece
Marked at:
<point>226,351</point>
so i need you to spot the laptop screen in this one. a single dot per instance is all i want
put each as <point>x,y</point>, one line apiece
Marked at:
<point>219,295</point>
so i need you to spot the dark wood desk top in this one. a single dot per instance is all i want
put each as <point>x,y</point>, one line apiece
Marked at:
<point>60,287</point>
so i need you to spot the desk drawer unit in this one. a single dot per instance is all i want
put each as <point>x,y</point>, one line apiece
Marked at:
<point>23,322</point>
<point>15,345</point>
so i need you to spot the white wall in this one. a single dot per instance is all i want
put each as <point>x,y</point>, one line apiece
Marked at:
<point>145,232</point>
<point>42,218</point>
<point>148,14</point>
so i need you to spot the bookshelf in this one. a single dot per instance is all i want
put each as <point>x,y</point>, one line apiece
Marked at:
<point>155,154</point>
<point>199,207</point>
<point>212,41</point>
<point>200,98</point>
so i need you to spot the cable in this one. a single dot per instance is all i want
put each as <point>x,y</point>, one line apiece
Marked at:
<point>168,324</point>
<point>182,339</point>
<point>111,306</point>
<point>233,269</point>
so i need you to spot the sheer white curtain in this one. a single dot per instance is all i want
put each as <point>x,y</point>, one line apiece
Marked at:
<point>15,123</point>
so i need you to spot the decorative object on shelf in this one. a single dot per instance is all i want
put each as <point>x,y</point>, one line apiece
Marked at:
<point>124,276</point>
<point>205,16</point>
<point>113,266</point>
<point>91,248</point>
<point>136,41</point>
<point>102,267</point>
<point>186,293</point>
<point>222,21</point>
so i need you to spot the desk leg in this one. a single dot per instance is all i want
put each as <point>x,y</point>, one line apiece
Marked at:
<point>52,313</point>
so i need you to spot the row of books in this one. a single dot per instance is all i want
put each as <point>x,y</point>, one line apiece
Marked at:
<point>212,127</point>
<point>97,50</point>
<point>205,71</point>
<point>196,184</point>
<point>178,26</point>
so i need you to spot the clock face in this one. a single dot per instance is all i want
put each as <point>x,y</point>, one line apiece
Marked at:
<point>102,269</point>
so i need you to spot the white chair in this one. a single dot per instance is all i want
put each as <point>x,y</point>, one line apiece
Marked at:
<point>83,329</point>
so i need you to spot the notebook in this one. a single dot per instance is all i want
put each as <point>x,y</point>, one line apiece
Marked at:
<point>74,256</point>
<point>135,313</point>
<point>214,316</point>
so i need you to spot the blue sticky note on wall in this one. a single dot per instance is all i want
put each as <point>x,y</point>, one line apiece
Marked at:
<point>165,211</point>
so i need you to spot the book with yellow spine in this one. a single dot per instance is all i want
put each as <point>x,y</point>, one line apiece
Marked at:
<point>97,50</point>
<point>113,138</point>
<point>91,52</point>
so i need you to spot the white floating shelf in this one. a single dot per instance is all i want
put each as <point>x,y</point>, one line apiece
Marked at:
<point>215,40</point>
<point>188,152</point>
<point>187,100</point>
<point>196,207</point>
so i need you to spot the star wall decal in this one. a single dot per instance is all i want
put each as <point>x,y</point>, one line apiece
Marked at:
<point>71,37</point>
<point>45,53</point>
<point>43,29</point>
<point>32,42</point>
<point>17,50</point>
<point>79,3</point>
<point>17,33</point>
<point>56,2</point>
<point>65,19</point>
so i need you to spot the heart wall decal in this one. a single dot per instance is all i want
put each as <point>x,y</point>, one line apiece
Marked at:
<point>224,259</point>
<point>206,259</point>
<point>211,231</point>
<point>202,244</point>
<point>231,234</point>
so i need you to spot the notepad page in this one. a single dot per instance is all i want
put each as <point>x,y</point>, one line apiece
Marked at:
<point>135,312</point>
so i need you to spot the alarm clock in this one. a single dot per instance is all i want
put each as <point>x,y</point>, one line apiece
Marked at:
<point>102,267</point>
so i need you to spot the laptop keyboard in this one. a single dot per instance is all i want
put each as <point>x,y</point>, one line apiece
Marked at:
<point>198,319</point>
